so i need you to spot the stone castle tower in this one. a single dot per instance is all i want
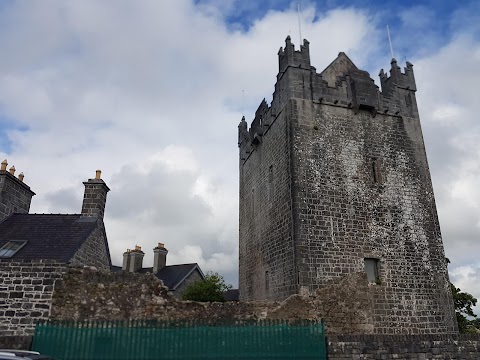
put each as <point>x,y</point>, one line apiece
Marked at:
<point>334,180</point>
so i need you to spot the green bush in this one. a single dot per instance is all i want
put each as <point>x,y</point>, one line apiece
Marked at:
<point>209,289</point>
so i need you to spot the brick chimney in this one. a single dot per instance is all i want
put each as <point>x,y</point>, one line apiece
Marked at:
<point>95,196</point>
<point>159,257</point>
<point>15,195</point>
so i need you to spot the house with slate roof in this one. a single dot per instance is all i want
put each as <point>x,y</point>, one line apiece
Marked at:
<point>73,239</point>
<point>36,249</point>
<point>175,277</point>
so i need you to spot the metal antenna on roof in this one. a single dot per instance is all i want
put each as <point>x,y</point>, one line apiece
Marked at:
<point>243,102</point>
<point>299,23</point>
<point>390,42</point>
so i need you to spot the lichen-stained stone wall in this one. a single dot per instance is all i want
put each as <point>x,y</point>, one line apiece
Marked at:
<point>345,214</point>
<point>86,294</point>
<point>26,290</point>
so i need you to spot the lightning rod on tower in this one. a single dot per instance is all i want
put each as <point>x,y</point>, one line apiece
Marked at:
<point>390,42</point>
<point>299,22</point>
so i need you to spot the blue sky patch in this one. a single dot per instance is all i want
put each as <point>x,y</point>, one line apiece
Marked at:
<point>7,125</point>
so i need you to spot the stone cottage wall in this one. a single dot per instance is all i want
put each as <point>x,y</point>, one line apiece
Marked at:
<point>26,290</point>
<point>94,251</point>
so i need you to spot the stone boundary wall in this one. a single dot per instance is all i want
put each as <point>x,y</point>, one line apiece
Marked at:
<point>412,347</point>
<point>88,294</point>
<point>26,290</point>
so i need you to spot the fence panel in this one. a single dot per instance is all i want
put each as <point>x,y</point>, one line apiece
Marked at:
<point>179,340</point>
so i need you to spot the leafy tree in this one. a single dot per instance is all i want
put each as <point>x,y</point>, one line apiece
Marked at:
<point>207,290</point>
<point>463,303</point>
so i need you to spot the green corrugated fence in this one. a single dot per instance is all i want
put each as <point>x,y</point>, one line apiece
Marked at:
<point>175,340</point>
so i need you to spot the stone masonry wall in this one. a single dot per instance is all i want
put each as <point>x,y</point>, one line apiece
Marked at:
<point>15,196</point>
<point>412,347</point>
<point>94,251</point>
<point>26,290</point>
<point>346,215</point>
<point>344,304</point>
<point>86,294</point>
<point>266,244</point>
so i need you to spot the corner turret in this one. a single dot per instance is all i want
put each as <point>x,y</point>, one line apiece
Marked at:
<point>289,57</point>
<point>398,79</point>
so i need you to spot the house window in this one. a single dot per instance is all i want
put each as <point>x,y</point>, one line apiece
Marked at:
<point>11,248</point>
<point>371,268</point>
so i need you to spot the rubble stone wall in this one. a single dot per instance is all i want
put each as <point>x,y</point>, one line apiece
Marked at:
<point>86,294</point>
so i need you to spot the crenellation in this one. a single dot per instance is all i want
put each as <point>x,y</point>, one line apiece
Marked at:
<point>288,56</point>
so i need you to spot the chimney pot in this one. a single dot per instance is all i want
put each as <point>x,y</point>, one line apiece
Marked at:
<point>98,174</point>
<point>4,165</point>
<point>21,176</point>
<point>138,248</point>
<point>12,170</point>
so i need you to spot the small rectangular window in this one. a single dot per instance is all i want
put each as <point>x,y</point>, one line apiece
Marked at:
<point>11,248</point>
<point>270,183</point>
<point>371,268</point>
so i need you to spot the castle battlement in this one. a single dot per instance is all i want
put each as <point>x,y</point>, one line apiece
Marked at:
<point>341,84</point>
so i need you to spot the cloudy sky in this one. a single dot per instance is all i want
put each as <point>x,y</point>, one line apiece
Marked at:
<point>151,93</point>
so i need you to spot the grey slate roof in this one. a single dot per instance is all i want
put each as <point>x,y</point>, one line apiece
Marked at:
<point>171,275</point>
<point>48,236</point>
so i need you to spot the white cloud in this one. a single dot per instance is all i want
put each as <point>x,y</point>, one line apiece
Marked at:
<point>151,94</point>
